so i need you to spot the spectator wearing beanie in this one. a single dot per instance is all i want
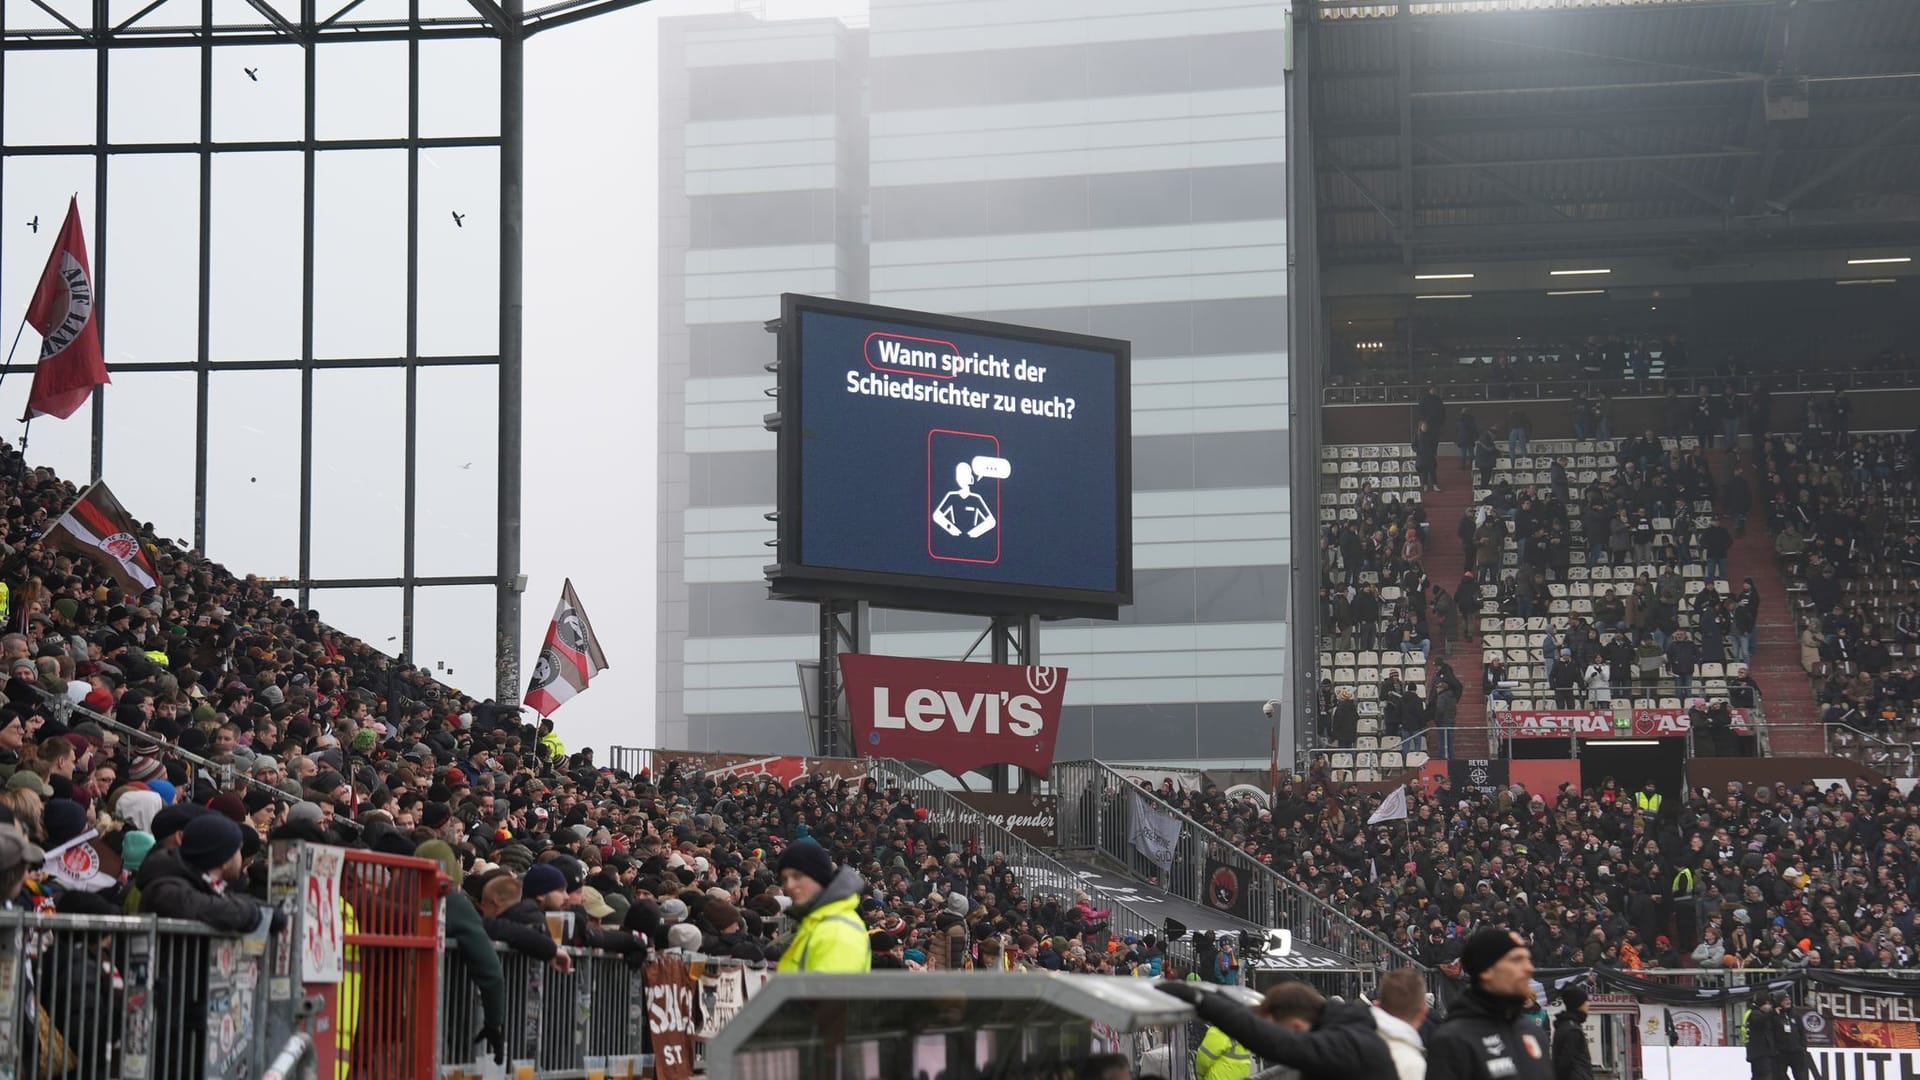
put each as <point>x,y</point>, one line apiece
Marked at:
<point>947,945</point>
<point>468,933</point>
<point>830,937</point>
<point>1485,1025</point>
<point>1571,1059</point>
<point>193,881</point>
<point>518,920</point>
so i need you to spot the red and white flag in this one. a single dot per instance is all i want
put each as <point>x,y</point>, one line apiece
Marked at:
<point>570,658</point>
<point>99,528</point>
<point>65,311</point>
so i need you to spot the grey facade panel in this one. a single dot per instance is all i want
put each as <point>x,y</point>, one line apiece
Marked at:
<point>762,218</point>
<point>1229,459</point>
<point>1175,328</point>
<point>722,350</point>
<point>750,733</point>
<point>1067,203</point>
<point>1163,732</point>
<point>760,91</point>
<point>1073,72</point>
<point>746,478</point>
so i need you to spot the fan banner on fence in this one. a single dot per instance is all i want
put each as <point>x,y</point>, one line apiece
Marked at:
<point>1603,723</point>
<point>97,527</point>
<point>1853,1018</point>
<point>953,715</point>
<point>1691,1027</point>
<point>570,658</point>
<point>65,312</point>
<point>1033,818</point>
<point>1227,890</point>
<point>1155,833</point>
<point>672,1019</point>
<point>786,768</point>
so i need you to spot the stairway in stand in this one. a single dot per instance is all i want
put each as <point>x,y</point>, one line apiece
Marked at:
<point>1445,562</point>
<point>1784,690</point>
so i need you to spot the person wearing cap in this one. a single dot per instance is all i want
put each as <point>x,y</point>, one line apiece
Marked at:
<point>947,944</point>
<point>18,855</point>
<point>198,879</point>
<point>1485,1036</point>
<point>1793,1040</point>
<point>1572,1060</point>
<point>466,932</point>
<point>830,937</point>
<point>1293,1025</point>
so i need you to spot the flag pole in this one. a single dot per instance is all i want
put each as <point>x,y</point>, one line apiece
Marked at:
<point>8,366</point>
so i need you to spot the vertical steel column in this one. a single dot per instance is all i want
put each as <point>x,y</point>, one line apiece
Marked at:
<point>204,349</point>
<point>102,26</point>
<point>408,490</point>
<point>1306,351</point>
<point>312,79</point>
<point>507,553</point>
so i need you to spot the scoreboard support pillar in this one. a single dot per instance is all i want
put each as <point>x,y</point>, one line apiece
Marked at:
<point>1014,639</point>
<point>844,627</point>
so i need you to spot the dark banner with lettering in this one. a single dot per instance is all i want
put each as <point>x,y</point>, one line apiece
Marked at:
<point>1479,775</point>
<point>1226,890</point>
<point>1033,818</point>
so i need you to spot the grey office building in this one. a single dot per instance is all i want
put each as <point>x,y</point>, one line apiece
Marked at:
<point>1114,167</point>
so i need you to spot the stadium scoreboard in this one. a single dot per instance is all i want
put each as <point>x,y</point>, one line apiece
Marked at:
<point>951,464</point>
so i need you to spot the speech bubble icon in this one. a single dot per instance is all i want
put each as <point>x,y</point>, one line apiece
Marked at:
<point>992,468</point>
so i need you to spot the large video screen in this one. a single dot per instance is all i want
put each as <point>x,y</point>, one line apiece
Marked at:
<point>951,464</point>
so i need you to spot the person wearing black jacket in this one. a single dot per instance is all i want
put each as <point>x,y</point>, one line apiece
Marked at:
<point>1793,1039</point>
<point>1571,1058</point>
<point>1764,1039</point>
<point>1485,1036</point>
<point>1294,1026</point>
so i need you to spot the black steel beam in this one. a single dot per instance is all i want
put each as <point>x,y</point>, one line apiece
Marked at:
<point>101,111</point>
<point>1483,170</point>
<point>1716,200</point>
<point>307,200</point>
<point>203,341</point>
<point>454,142</point>
<point>1848,160</point>
<point>1403,145</point>
<point>513,75</point>
<point>378,582</point>
<point>409,484</point>
<point>343,363</point>
<point>178,37</point>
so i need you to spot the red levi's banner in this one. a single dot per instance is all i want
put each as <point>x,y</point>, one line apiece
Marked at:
<point>1599,724</point>
<point>956,716</point>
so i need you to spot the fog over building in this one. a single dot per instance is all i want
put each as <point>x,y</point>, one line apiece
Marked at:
<point>1117,169</point>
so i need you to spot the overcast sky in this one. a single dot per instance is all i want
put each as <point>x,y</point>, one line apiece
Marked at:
<point>591,274</point>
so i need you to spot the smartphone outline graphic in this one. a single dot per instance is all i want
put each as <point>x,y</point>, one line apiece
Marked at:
<point>945,472</point>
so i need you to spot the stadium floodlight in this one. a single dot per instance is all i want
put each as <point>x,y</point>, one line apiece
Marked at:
<point>1462,276</point>
<point>1576,292</point>
<point>1445,296</point>
<point>1579,273</point>
<point>1867,281</point>
<point>1880,259</point>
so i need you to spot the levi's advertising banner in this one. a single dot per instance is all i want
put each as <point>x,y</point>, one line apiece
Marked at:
<point>1603,724</point>
<point>952,715</point>
<point>966,457</point>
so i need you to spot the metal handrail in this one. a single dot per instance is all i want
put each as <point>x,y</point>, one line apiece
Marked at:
<point>1037,870</point>
<point>1455,386</point>
<point>1274,900</point>
<point>295,1059</point>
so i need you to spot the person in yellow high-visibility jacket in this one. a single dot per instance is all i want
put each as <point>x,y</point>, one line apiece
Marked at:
<point>1220,1058</point>
<point>346,1002</point>
<point>826,898</point>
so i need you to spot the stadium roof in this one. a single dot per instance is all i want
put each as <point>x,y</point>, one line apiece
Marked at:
<point>1481,129</point>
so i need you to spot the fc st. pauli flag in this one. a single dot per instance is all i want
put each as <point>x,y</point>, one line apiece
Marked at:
<point>570,658</point>
<point>65,311</point>
<point>99,528</point>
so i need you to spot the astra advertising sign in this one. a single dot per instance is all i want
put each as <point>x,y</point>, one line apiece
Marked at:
<point>1603,723</point>
<point>955,716</point>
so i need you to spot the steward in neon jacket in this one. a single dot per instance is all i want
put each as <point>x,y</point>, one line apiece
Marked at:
<point>831,938</point>
<point>1220,1058</point>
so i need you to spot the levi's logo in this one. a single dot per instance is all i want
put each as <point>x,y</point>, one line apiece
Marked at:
<point>985,713</point>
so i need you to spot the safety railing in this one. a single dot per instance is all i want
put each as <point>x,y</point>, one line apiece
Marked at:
<point>1883,752</point>
<point>1478,383</point>
<point>555,1019</point>
<point>1097,810</point>
<point>106,997</point>
<point>631,760</point>
<point>1039,874</point>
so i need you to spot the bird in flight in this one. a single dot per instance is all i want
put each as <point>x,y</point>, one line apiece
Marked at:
<point>252,73</point>
<point>459,219</point>
<point>468,465</point>
<point>35,223</point>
